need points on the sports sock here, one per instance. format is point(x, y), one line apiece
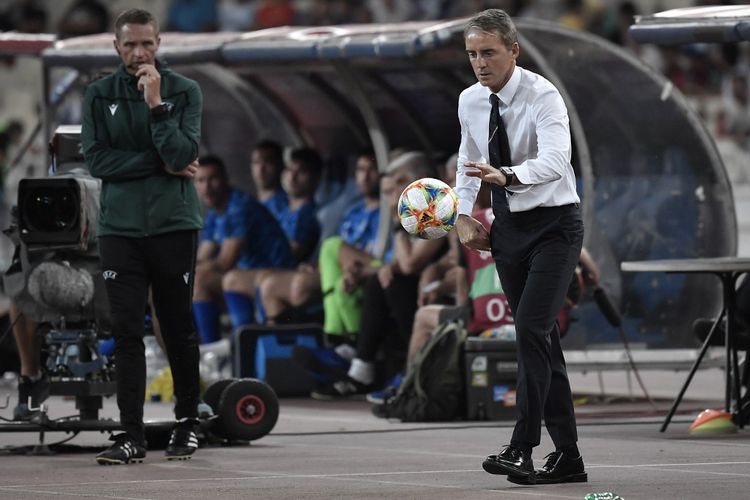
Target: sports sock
point(345, 351)
point(362, 371)
point(240, 308)
point(206, 314)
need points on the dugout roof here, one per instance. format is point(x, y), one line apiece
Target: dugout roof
point(717, 24)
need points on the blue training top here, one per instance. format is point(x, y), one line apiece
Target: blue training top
point(277, 204)
point(245, 217)
point(302, 226)
point(359, 227)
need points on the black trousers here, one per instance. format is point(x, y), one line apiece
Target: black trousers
point(166, 262)
point(535, 254)
point(387, 314)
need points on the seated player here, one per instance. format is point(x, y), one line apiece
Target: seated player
point(300, 179)
point(266, 165)
point(353, 246)
point(238, 233)
point(343, 263)
point(389, 299)
point(471, 280)
point(299, 224)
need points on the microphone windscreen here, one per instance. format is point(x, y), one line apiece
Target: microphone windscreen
point(60, 287)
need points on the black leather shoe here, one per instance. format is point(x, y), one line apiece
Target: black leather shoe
point(511, 462)
point(562, 468)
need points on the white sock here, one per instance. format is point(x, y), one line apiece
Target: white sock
point(362, 371)
point(345, 351)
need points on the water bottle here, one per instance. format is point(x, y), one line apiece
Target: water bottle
point(215, 362)
point(155, 359)
point(503, 332)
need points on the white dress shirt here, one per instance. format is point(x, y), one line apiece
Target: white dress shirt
point(536, 121)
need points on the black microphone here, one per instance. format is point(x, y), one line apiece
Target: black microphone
point(605, 306)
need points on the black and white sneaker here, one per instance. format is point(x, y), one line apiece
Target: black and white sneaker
point(184, 440)
point(125, 450)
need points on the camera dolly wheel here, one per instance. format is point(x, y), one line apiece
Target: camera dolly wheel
point(213, 393)
point(247, 410)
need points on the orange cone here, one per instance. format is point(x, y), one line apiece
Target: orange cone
point(713, 422)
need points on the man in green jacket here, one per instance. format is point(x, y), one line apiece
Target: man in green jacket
point(140, 135)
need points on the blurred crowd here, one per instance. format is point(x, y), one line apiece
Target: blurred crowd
point(608, 18)
point(716, 78)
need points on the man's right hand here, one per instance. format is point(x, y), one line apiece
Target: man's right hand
point(188, 171)
point(472, 233)
point(149, 82)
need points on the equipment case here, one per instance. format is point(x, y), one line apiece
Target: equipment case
point(491, 367)
point(265, 352)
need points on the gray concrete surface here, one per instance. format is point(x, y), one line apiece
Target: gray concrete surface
point(339, 450)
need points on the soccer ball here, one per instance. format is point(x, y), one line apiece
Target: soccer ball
point(428, 208)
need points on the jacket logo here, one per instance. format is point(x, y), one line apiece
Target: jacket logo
point(113, 109)
point(186, 277)
point(109, 275)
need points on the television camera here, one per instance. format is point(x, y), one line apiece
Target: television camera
point(55, 280)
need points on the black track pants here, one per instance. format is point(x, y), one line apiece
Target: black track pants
point(166, 262)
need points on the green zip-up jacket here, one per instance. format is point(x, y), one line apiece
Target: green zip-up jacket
point(129, 149)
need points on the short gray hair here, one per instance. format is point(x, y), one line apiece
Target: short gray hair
point(495, 21)
point(135, 16)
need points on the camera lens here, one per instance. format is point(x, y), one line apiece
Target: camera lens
point(51, 209)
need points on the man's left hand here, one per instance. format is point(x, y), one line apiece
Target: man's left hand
point(188, 171)
point(486, 172)
point(149, 81)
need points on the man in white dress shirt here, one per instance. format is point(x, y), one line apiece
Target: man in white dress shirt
point(515, 136)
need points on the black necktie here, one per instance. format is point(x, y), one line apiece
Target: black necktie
point(499, 149)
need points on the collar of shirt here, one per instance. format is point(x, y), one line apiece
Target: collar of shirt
point(508, 91)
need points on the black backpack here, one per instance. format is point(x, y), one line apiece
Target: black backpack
point(433, 388)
